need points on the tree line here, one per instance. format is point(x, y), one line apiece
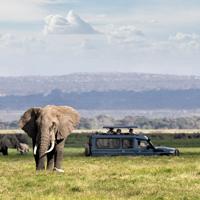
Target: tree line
point(140, 121)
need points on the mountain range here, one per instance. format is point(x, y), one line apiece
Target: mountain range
point(102, 91)
point(100, 82)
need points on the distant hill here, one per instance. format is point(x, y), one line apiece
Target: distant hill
point(99, 82)
point(115, 100)
point(102, 91)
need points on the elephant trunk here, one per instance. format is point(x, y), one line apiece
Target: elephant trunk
point(53, 131)
point(47, 138)
point(43, 146)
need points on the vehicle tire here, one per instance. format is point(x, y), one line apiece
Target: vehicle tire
point(87, 150)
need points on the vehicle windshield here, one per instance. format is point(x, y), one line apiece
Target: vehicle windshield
point(152, 145)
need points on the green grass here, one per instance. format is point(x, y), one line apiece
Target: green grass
point(148, 178)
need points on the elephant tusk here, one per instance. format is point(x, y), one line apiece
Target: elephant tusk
point(51, 148)
point(35, 150)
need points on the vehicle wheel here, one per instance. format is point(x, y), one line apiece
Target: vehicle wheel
point(87, 150)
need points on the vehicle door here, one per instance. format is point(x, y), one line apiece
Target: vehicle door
point(143, 147)
point(107, 146)
point(127, 146)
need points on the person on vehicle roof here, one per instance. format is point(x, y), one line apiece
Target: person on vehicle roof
point(111, 131)
point(131, 131)
point(119, 131)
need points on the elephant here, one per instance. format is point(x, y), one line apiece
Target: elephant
point(49, 127)
point(8, 141)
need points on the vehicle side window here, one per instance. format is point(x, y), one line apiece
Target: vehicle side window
point(127, 143)
point(108, 143)
point(143, 144)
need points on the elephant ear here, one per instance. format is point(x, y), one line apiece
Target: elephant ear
point(68, 119)
point(27, 121)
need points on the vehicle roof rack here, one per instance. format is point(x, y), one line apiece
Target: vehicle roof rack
point(108, 127)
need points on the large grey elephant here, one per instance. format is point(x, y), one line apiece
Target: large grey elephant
point(49, 127)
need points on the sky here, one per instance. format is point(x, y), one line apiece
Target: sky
point(57, 37)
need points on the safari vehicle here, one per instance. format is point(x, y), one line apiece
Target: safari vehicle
point(114, 143)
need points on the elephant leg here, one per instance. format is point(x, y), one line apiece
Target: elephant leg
point(50, 160)
point(59, 150)
point(36, 160)
point(41, 165)
point(5, 151)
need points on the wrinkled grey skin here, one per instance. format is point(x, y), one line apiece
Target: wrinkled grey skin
point(45, 126)
point(8, 141)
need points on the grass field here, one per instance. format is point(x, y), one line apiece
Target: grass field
point(148, 178)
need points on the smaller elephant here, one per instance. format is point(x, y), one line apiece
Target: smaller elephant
point(23, 148)
point(11, 141)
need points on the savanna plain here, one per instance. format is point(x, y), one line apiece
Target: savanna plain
point(149, 178)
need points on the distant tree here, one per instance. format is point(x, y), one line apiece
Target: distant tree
point(140, 121)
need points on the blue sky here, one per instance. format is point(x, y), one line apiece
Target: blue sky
point(56, 37)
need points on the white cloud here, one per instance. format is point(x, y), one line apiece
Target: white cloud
point(26, 10)
point(5, 39)
point(9, 40)
point(19, 44)
point(184, 37)
point(87, 44)
point(186, 41)
point(138, 40)
point(23, 10)
point(40, 55)
point(124, 34)
point(72, 24)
